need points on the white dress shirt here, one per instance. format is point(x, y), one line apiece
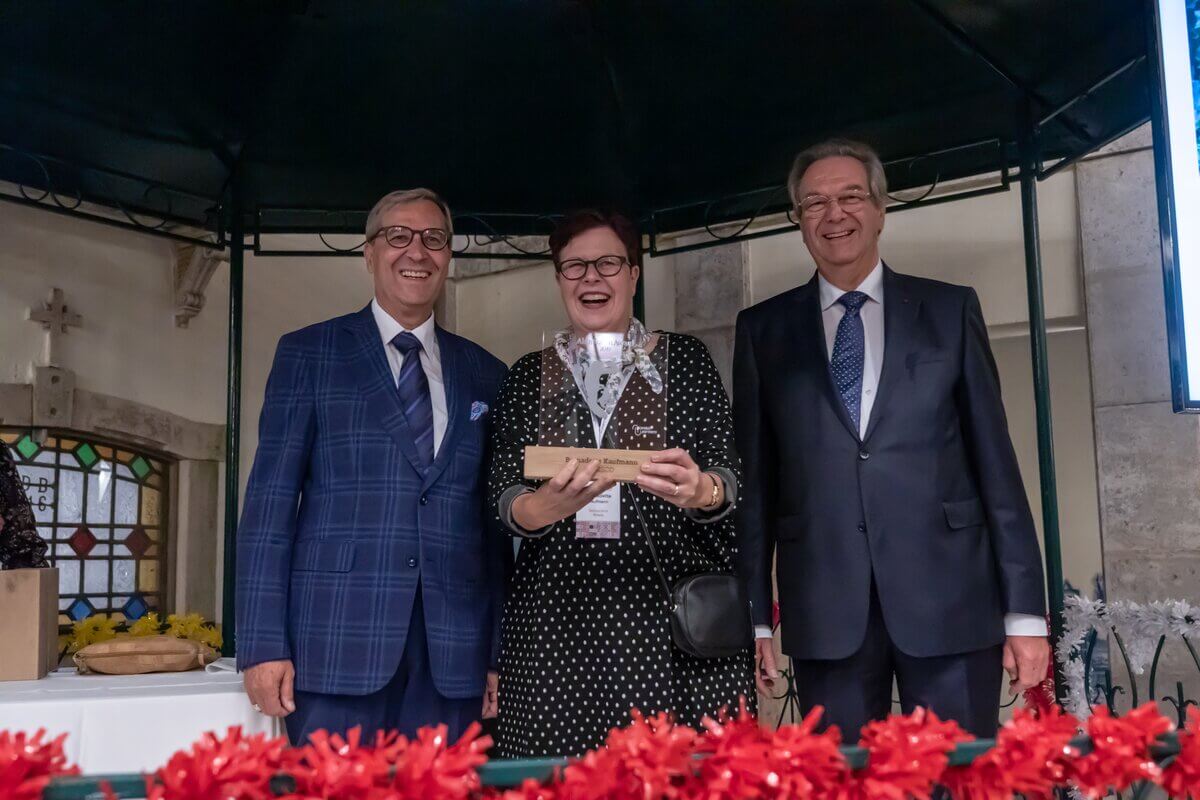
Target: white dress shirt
point(872, 318)
point(431, 362)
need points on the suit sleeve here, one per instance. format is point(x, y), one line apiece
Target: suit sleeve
point(514, 425)
point(714, 450)
point(268, 526)
point(755, 444)
point(1010, 522)
point(497, 548)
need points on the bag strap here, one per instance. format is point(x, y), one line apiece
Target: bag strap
point(662, 576)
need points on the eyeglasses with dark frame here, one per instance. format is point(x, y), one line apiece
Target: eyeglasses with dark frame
point(401, 236)
point(574, 269)
point(850, 201)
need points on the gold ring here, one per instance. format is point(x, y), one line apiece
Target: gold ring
point(675, 491)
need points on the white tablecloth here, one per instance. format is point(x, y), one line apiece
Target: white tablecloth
point(129, 723)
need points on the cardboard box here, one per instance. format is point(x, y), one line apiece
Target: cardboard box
point(28, 624)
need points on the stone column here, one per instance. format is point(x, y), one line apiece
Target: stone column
point(1148, 458)
point(711, 287)
point(446, 308)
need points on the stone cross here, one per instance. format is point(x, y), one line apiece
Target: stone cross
point(55, 318)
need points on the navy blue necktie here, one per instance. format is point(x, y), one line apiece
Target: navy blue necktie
point(847, 359)
point(413, 387)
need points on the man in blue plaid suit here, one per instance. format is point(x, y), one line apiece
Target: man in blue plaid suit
point(369, 592)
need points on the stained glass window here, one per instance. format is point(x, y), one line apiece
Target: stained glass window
point(103, 510)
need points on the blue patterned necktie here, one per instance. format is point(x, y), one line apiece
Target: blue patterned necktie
point(847, 359)
point(413, 387)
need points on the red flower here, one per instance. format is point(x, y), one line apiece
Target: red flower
point(907, 756)
point(1028, 758)
point(651, 758)
point(27, 763)
point(429, 766)
point(215, 769)
point(1120, 750)
point(775, 615)
point(1182, 777)
point(746, 761)
point(333, 766)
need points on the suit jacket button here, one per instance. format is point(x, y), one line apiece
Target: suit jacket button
point(412, 562)
point(862, 527)
point(863, 455)
point(424, 499)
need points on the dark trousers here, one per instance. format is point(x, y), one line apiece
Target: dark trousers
point(409, 700)
point(964, 687)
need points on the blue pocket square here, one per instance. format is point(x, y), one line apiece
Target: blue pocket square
point(478, 409)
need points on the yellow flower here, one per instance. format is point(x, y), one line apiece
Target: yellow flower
point(148, 625)
point(194, 627)
point(95, 628)
point(210, 636)
point(185, 627)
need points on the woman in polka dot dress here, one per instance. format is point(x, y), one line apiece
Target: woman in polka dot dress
point(586, 636)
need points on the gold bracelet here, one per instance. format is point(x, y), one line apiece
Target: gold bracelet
point(712, 503)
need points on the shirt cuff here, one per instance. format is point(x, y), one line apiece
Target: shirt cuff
point(504, 506)
point(1025, 625)
point(763, 632)
point(731, 489)
point(245, 662)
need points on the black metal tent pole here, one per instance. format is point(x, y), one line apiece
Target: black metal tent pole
point(233, 410)
point(1041, 382)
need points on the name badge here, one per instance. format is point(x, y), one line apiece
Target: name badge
point(601, 518)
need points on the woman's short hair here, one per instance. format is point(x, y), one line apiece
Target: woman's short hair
point(830, 148)
point(578, 222)
point(402, 197)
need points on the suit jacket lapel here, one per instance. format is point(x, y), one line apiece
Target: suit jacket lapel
point(811, 338)
point(375, 379)
point(900, 309)
point(456, 379)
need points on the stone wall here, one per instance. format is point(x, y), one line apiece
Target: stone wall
point(1148, 458)
point(711, 287)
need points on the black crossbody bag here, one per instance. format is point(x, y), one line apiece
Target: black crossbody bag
point(709, 612)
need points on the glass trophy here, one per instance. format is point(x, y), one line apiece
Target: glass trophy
point(597, 408)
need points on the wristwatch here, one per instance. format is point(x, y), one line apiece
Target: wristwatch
point(712, 501)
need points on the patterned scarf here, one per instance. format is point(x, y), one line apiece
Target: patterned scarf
point(609, 376)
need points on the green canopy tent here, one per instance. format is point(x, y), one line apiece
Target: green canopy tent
point(245, 120)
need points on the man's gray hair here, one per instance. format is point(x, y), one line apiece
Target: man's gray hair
point(830, 148)
point(403, 197)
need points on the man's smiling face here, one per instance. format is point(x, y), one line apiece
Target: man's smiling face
point(839, 238)
point(409, 279)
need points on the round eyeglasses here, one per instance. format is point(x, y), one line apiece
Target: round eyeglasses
point(402, 236)
point(575, 268)
point(815, 205)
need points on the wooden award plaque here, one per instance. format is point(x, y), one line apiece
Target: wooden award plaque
point(543, 463)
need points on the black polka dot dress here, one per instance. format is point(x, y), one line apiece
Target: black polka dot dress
point(586, 636)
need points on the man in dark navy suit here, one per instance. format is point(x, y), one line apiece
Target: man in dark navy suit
point(880, 476)
point(369, 592)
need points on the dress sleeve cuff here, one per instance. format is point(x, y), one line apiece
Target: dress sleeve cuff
point(1024, 625)
point(731, 489)
point(504, 506)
